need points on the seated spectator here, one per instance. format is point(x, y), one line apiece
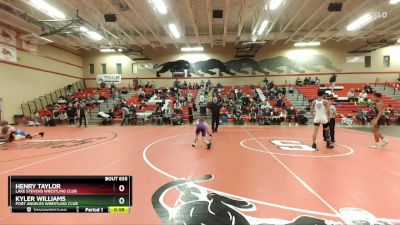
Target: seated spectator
point(237, 115)
point(368, 89)
point(56, 115)
point(292, 115)
point(282, 116)
point(350, 95)
point(275, 117)
point(389, 113)
point(306, 81)
point(190, 86)
point(298, 81)
point(346, 119)
point(317, 81)
point(313, 81)
point(362, 96)
point(63, 116)
point(362, 116)
point(124, 91)
point(252, 116)
point(35, 119)
point(177, 107)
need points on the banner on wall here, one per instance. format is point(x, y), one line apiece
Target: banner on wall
point(29, 45)
point(8, 53)
point(8, 36)
point(109, 78)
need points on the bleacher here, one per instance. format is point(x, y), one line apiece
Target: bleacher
point(345, 107)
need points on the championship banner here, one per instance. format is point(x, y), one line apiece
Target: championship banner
point(29, 45)
point(8, 36)
point(8, 53)
point(109, 78)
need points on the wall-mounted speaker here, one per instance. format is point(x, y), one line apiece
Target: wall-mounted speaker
point(110, 17)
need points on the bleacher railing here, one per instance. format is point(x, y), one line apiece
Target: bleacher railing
point(50, 98)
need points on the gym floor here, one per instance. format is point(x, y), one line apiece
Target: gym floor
point(251, 175)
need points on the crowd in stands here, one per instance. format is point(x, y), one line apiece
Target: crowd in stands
point(262, 104)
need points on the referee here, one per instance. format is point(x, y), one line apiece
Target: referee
point(215, 108)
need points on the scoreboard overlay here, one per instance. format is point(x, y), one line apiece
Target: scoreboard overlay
point(70, 194)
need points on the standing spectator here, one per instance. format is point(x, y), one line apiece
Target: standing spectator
point(126, 115)
point(215, 108)
point(332, 122)
point(177, 107)
point(291, 115)
point(71, 113)
point(82, 112)
point(332, 80)
point(190, 111)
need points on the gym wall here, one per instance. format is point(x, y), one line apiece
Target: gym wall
point(34, 75)
point(333, 52)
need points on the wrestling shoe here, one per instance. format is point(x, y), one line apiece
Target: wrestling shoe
point(376, 146)
point(41, 134)
point(209, 146)
point(28, 136)
point(329, 145)
point(314, 146)
point(384, 142)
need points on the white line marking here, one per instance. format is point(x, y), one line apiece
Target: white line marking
point(294, 155)
point(144, 154)
point(224, 193)
point(301, 181)
point(68, 153)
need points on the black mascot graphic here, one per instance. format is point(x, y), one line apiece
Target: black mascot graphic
point(178, 65)
point(198, 206)
point(207, 65)
point(238, 65)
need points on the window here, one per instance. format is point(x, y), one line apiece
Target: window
point(134, 68)
point(367, 61)
point(386, 61)
point(119, 68)
point(91, 68)
point(103, 68)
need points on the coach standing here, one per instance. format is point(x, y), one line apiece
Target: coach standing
point(215, 108)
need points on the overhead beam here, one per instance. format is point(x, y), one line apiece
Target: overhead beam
point(242, 16)
point(276, 19)
point(351, 13)
point(192, 20)
point(291, 20)
point(316, 26)
point(209, 17)
point(341, 30)
point(137, 14)
point(226, 16)
point(363, 33)
point(116, 26)
point(261, 15)
point(321, 6)
point(65, 41)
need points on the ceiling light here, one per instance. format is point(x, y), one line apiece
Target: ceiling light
point(160, 6)
point(94, 36)
point(360, 22)
point(262, 27)
point(304, 44)
point(192, 49)
point(394, 2)
point(48, 9)
point(107, 50)
point(273, 4)
point(83, 29)
point(119, 50)
point(398, 40)
point(174, 30)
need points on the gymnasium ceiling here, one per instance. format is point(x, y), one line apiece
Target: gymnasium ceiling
point(139, 25)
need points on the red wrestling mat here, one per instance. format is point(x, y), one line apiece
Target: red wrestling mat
point(252, 175)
